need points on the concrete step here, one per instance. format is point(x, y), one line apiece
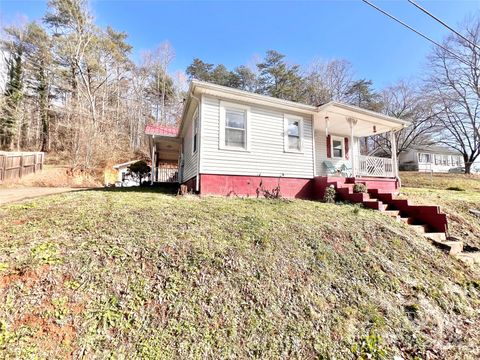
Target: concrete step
point(437, 236)
point(374, 204)
point(392, 213)
point(469, 258)
point(421, 229)
point(453, 247)
point(408, 220)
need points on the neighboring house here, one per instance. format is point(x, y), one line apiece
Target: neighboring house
point(430, 158)
point(230, 141)
point(122, 175)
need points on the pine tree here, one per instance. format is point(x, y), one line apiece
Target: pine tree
point(14, 88)
point(280, 80)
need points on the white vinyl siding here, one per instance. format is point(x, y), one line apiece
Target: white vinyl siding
point(321, 152)
point(190, 160)
point(195, 131)
point(265, 154)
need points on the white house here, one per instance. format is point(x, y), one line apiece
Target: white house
point(231, 141)
point(430, 158)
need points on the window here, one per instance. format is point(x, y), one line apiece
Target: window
point(425, 158)
point(234, 120)
point(293, 133)
point(337, 147)
point(195, 132)
point(235, 128)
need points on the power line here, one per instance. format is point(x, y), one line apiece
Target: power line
point(443, 23)
point(416, 32)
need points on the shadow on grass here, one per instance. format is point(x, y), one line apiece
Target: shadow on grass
point(155, 189)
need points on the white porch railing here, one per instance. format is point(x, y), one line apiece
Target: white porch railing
point(374, 166)
point(166, 175)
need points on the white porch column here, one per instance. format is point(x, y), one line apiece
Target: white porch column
point(393, 147)
point(152, 172)
point(353, 122)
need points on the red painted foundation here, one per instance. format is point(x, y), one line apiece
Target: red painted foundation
point(313, 189)
point(237, 185)
point(191, 184)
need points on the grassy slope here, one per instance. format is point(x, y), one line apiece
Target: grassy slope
point(440, 181)
point(96, 273)
point(426, 189)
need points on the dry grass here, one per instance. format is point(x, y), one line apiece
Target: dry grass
point(463, 195)
point(440, 181)
point(58, 176)
point(126, 274)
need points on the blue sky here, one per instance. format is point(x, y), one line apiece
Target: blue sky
point(234, 32)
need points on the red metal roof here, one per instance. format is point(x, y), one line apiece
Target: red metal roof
point(163, 130)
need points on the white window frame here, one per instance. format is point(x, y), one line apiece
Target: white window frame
point(342, 140)
point(224, 105)
point(420, 158)
point(195, 121)
point(286, 118)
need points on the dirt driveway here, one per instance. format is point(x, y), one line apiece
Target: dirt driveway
point(15, 194)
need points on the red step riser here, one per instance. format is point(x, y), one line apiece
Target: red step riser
point(426, 214)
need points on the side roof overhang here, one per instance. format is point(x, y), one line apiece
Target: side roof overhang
point(337, 112)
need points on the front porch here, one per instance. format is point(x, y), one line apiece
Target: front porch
point(339, 132)
point(165, 153)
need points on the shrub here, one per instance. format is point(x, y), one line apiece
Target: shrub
point(356, 210)
point(330, 194)
point(269, 194)
point(139, 170)
point(359, 188)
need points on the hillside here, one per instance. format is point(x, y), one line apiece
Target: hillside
point(145, 275)
point(456, 194)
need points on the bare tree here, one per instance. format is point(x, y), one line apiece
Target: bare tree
point(328, 80)
point(157, 63)
point(407, 101)
point(454, 83)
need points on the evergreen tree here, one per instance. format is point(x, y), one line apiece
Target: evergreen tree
point(14, 89)
point(245, 79)
point(280, 80)
point(199, 70)
point(13, 99)
point(39, 62)
point(362, 94)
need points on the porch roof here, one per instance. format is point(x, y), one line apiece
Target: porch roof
point(161, 130)
point(366, 122)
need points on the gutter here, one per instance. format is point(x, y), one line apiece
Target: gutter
point(363, 111)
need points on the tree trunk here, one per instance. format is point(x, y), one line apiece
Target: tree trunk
point(468, 167)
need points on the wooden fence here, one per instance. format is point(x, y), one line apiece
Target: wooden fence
point(14, 165)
